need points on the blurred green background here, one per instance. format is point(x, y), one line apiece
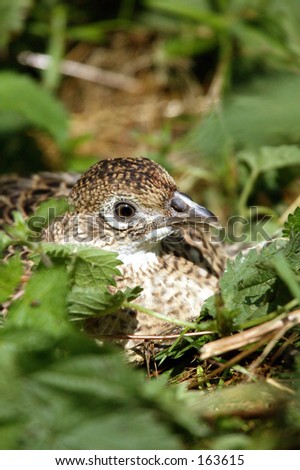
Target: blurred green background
point(208, 88)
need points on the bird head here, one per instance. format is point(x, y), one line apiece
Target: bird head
point(133, 204)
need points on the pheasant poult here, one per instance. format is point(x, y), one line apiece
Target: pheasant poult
point(132, 206)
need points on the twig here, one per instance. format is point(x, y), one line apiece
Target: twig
point(269, 347)
point(257, 333)
point(235, 359)
point(83, 71)
point(280, 386)
point(292, 339)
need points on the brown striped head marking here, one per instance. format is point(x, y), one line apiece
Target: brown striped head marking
point(139, 178)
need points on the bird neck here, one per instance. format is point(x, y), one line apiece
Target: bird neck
point(139, 260)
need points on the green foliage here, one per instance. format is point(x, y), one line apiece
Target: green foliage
point(251, 142)
point(90, 266)
point(255, 285)
point(265, 160)
point(59, 390)
point(10, 275)
point(90, 272)
point(292, 225)
point(90, 301)
point(44, 301)
point(12, 18)
point(51, 75)
point(247, 287)
point(51, 371)
point(22, 97)
point(80, 273)
point(261, 113)
point(261, 33)
point(58, 394)
point(271, 158)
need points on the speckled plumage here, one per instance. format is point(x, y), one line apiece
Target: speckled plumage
point(172, 259)
point(165, 246)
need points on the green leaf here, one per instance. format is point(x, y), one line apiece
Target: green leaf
point(52, 208)
point(91, 271)
point(256, 42)
point(94, 301)
point(94, 268)
point(292, 249)
point(12, 17)
point(292, 252)
point(43, 305)
point(292, 225)
point(22, 95)
point(186, 45)
point(5, 241)
point(92, 32)
point(245, 286)
point(249, 287)
point(91, 267)
point(94, 390)
point(18, 231)
point(259, 114)
point(271, 158)
point(10, 276)
point(195, 10)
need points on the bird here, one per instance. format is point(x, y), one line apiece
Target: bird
point(133, 207)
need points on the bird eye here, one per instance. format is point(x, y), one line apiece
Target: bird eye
point(124, 211)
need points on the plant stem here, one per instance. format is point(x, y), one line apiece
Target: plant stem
point(269, 316)
point(56, 47)
point(160, 316)
point(242, 204)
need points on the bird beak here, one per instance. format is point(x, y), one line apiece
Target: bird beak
point(189, 211)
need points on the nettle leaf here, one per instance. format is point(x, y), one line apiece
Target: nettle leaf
point(292, 225)
point(48, 377)
point(94, 301)
point(43, 304)
point(96, 270)
point(90, 266)
point(292, 252)
point(91, 271)
point(271, 158)
point(249, 286)
point(256, 284)
point(91, 301)
point(292, 248)
point(245, 286)
point(10, 276)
